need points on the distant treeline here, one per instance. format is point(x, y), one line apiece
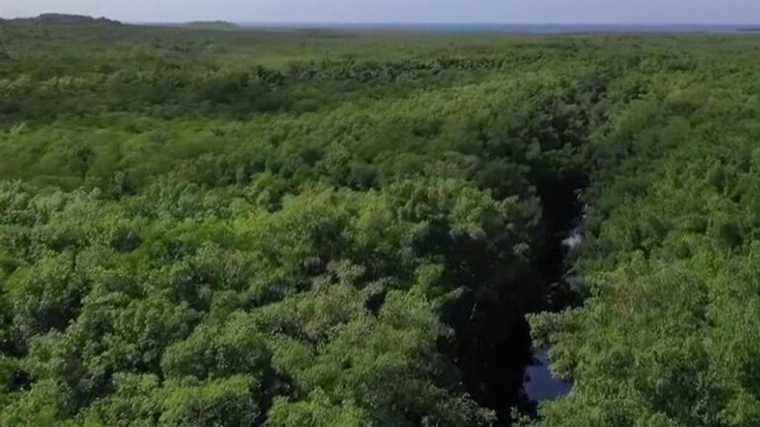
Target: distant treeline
point(212, 25)
point(61, 19)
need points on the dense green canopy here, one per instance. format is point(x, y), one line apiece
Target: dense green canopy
point(319, 228)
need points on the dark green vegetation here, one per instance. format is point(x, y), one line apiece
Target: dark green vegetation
point(60, 19)
point(302, 228)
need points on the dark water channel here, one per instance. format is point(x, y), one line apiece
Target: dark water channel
point(501, 368)
point(564, 211)
point(539, 384)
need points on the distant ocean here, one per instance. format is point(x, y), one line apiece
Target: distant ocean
point(526, 29)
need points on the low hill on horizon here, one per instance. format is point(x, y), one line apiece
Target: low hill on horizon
point(62, 19)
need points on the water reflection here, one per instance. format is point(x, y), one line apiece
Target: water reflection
point(539, 384)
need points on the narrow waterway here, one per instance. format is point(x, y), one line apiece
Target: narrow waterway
point(539, 384)
point(501, 369)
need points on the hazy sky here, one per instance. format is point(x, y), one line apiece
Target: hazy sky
point(555, 11)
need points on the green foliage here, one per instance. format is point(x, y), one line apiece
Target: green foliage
point(668, 264)
point(203, 227)
point(224, 402)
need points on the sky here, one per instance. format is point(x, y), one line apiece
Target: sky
point(450, 11)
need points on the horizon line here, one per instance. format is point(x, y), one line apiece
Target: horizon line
point(402, 22)
point(605, 23)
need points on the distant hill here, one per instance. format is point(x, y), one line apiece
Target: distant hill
point(213, 25)
point(62, 19)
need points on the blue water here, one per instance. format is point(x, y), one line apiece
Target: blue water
point(528, 29)
point(540, 384)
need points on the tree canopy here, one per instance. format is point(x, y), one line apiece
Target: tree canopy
point(325, 228)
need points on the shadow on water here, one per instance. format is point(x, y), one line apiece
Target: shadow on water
point(495, 353)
